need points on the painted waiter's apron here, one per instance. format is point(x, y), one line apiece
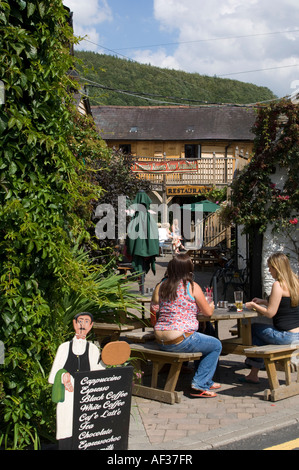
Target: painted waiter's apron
point(72, 356)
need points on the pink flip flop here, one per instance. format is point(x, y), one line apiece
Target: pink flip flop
point(202, 393)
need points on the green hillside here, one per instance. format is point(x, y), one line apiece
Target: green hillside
point(160, 86)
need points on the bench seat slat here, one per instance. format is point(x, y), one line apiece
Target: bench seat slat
point(271, 349)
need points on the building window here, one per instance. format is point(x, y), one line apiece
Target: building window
point(192, 151)
point(125, 148)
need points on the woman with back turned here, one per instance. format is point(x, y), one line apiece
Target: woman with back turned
point(178, 300)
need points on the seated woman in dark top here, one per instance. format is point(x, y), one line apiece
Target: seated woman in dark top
point(282, 307)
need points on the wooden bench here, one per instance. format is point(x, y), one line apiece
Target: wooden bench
point(203, 261)
point(140, 336)
point(109, 331)
point(124, 269)
point(150, 352)
point(277, 353)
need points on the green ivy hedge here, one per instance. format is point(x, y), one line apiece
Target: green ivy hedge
point(45, 193)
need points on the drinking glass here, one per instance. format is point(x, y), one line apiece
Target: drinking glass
point(239, 300)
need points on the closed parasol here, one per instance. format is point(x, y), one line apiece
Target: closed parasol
point(142, 236)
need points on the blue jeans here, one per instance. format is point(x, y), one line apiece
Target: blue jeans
point(267, 334)
point(210, 347)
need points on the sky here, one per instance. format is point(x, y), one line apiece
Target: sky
point(254, 41)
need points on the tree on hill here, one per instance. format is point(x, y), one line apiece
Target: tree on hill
point(120, 82)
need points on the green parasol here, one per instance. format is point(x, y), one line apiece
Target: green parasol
point(142, 236)
point(205, 206)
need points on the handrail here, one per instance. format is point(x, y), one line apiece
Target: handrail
point(210, 171)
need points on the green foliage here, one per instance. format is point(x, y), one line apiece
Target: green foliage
point(37, 179)
point(161, 86)
point(255, 200)
point(108, 170)
point(103, 295)
point(47, 186)
point(117, 179)
point(214, 194)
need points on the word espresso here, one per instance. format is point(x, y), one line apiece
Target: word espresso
point(100, 395)
point(111, 402)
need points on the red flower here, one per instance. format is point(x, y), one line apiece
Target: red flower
point(293, 221)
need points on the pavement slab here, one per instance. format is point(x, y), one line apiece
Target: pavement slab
point(238, 411)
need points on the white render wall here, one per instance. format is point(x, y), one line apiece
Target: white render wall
point(276, 242)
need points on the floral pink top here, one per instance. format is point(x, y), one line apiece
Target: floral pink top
point(179, 314)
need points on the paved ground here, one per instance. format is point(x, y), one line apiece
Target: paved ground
point(238, 411)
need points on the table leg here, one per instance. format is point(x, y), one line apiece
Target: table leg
point(246, 332)
point(216, 329)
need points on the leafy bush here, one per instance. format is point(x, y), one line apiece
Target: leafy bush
point(46, 189)
point(255, 200)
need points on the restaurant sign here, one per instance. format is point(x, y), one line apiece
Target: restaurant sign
point(169, 166)
point(184, 190)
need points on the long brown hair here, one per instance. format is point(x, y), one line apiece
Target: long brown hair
point(180, 268)
point(285, 276)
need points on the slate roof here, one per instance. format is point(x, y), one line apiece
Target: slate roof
point(174, 123)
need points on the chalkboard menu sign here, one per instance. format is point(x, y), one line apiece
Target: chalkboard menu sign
point(102, 406)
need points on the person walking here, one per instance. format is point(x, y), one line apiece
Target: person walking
point(176, 237)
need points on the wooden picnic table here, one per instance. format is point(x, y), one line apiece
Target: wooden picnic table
point(238, 344)
point(234, 345)
point(150, 351)
point(205, 255)
point(110, 330)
